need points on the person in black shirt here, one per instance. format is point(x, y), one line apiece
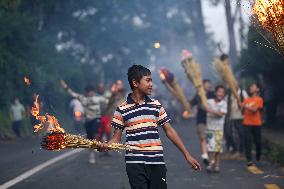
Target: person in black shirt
point(201, 118)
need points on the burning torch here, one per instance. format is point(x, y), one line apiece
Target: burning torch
point(57, 139)
point(270, 14)
point(193, 72)
point(172, 85)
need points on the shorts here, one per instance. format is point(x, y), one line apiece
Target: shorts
point(201, 131)
point(215, 140)
point(144, 176)
point(92, 127)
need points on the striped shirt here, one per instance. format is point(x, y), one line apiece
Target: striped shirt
point(141, 122)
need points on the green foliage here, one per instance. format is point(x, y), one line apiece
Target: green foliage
point(273, 152)
point(259, 60)
point(85, 42)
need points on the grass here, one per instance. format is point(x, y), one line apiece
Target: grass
point(273, 152)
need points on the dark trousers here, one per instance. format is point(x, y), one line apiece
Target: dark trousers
point(237, 135)
point(143, 176)
point(252, 135)
point(16, 125)
point(92, 127)
point(228, 132)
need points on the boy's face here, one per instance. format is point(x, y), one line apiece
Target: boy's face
point(89, 93)
point(253, 89)
point(100, 88)
point(16, 101)
point(207, 86)
point(145, 85)
point(220, 94)
point(119, 84)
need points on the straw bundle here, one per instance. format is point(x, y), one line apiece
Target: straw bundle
point(224, 70)
point(172, 85)
point(57, 141)
point(193, 72)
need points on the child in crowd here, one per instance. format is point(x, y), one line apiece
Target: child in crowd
point(217, 108)
point(252, 107)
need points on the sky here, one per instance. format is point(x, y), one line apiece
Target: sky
point(215, 21)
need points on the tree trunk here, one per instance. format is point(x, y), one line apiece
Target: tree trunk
point(231, 32)
point(203, 53)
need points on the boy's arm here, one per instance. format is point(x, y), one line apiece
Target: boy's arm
point(116, 138)
point(216, 113)
point(253, 108)
point(174, 137)
point(71, 92)
point(220, 112)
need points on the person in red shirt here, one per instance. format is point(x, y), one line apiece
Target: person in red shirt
point(252, 107)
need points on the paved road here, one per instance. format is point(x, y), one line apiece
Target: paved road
point(74, 171)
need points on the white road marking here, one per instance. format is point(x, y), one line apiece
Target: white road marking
point(36, 169)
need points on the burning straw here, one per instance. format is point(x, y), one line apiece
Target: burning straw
point(270, 14)
point(172, 85)
point(193, 72)
point(224, 70)
point(57, 139)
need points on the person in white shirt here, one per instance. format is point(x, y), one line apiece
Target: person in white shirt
point(216, 111)
point(234, 133)
point(17, 114)
point(77, 113)
point(92, 111)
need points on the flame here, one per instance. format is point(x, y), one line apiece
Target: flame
point(157, 45)
point(270, 13)
point(48, 121)
point(162, 75)
point(27, 81)
point(54, 141)
point(186, 114)
point(77, 115)
point(185, 54)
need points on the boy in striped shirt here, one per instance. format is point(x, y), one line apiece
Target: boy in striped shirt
point(141, 117)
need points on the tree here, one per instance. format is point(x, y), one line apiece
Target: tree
point(231, 19)
point(259, 60)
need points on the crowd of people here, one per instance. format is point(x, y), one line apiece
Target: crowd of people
point(237, 122)
point(95, 110)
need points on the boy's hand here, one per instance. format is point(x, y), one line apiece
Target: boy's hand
point(103, 147)
point(63, 84)
point(195, 165)
point(208, 110)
